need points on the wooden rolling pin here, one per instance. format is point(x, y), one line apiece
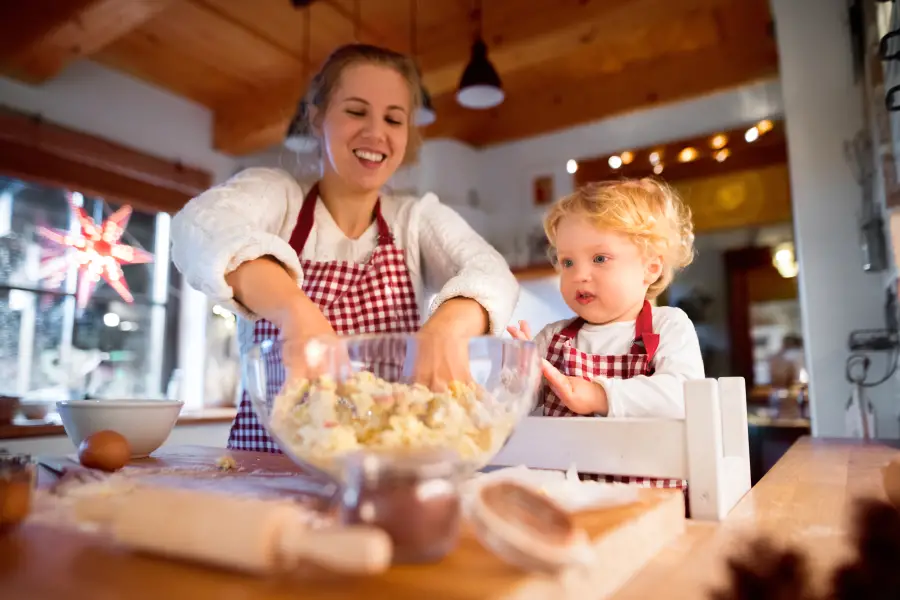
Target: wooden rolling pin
point(246, 534)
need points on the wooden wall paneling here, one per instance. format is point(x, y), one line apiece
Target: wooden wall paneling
point(769, 149)
point(748, 198)
point(35, 150)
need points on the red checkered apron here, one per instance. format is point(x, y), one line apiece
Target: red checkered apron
point(375, 297)
point(571, 361)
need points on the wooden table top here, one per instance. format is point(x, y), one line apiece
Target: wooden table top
point(805, 499)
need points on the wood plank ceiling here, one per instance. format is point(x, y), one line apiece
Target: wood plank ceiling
point(562, 62)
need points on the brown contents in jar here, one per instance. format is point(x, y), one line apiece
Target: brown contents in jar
point(16, 487)
point(414, 499)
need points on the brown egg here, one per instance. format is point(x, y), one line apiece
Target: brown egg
point(105, 450)
point(890, 474)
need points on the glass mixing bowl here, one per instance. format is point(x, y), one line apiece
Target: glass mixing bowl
point(362, 395)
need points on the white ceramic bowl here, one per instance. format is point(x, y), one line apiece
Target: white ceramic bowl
point(144, 423)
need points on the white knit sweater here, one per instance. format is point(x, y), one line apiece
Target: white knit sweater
point(253, 214)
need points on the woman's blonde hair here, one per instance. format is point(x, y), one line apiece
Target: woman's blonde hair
point(648, 211)
point(323, 84)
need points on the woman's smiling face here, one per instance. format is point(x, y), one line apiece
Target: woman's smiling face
point(365, 128)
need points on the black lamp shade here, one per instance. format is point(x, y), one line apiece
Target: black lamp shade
point(480, 85)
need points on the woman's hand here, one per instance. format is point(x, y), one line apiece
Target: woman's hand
point(269, 291)
point(442, 354)
point(310, 346)
point(441, 360)
point(581, 396)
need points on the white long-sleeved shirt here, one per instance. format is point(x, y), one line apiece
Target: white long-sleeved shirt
point(254, 213)
point(677, 359)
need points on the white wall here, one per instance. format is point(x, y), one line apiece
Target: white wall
point(824, 108)
point(98, 101)
point(540, 303)
point(90, 98)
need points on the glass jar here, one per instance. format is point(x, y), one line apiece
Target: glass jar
point(413, 496)
point(17, 482)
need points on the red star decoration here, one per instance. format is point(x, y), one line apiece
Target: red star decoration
point(97, 254)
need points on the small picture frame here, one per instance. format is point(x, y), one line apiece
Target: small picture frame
point(543, 190)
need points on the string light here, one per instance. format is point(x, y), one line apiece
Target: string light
point(687, 154)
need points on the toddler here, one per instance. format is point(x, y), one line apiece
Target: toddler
point(616, 245)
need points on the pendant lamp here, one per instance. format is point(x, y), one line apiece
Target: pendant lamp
point(479, 86)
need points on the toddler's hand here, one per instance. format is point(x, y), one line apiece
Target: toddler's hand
point(521, 333)
point(581, 396)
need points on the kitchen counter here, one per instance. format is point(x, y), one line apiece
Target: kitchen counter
point(804, 499)
point(21, 429)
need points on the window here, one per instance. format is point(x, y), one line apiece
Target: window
point(51, 349)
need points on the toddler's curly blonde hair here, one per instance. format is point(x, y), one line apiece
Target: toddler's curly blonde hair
point(648, 211)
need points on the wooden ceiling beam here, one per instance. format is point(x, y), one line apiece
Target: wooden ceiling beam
point(39, 38)
point(547, 104)
point(244, 126)
point(366, 31)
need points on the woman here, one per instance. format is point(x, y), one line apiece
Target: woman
point(339, 258)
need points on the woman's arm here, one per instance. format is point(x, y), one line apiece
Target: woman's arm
point(265, 287)
point(219, 237)
point(477, 291)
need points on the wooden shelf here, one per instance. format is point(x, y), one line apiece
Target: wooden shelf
point(534, 272)
point(209, 416)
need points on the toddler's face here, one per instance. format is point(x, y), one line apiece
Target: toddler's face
point(603, 274)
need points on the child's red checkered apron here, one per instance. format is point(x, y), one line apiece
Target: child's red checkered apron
point(376, 297)
point(571, 361)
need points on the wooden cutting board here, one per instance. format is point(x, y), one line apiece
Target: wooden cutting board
point(39, 561)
